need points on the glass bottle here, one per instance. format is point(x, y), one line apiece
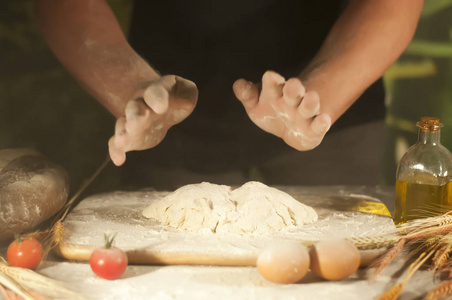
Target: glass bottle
point(423, 179)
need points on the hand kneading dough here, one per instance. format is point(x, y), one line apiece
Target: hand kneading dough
point(32, 189)
point(254, 208)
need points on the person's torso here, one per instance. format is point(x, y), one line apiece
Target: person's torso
point(214, 43)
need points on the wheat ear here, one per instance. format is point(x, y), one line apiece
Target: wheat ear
point(395, 291)
point(443, 290)
point(374, 242)
point(389, 257)
point(437, 221)
point(441, 256)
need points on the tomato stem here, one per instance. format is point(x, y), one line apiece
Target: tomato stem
point(19, 238)
point(109, 241)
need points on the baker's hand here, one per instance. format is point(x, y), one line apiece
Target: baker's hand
point(285, 109)
point(156, 107)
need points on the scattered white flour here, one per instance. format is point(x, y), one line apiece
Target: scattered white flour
point(254, 208)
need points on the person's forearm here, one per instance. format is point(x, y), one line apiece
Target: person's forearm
point(86, 37)
point(368, 37)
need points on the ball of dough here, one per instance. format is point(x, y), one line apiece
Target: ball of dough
point(253, 208)
point(194, 207)
point(263, 209)
point(32, 189)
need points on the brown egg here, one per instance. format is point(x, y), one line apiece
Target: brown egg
point(285, 262)
point(334, 259)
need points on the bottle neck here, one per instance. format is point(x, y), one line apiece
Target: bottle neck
point(431, 138)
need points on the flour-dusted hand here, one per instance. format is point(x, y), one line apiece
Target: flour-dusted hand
point(98, 54)
point(156, 107)
point(285, 109)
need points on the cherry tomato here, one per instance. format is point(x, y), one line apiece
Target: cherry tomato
point(108, 262)
point(25, 253)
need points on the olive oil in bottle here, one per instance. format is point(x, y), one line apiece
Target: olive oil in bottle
point(416, 200)
point(423, 179)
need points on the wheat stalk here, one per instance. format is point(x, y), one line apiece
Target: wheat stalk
point(65, 210)
point(37, 282)
point(15, 287)
point(389, 257)
point(3, 292)
point(10, 295)
point(395, 291)
point(441, 229)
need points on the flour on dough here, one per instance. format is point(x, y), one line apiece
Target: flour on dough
point(253, 208)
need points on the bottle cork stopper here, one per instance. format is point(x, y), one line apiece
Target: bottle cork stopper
point(429, 124)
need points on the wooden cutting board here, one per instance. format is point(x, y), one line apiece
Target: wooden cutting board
point(342, 214)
